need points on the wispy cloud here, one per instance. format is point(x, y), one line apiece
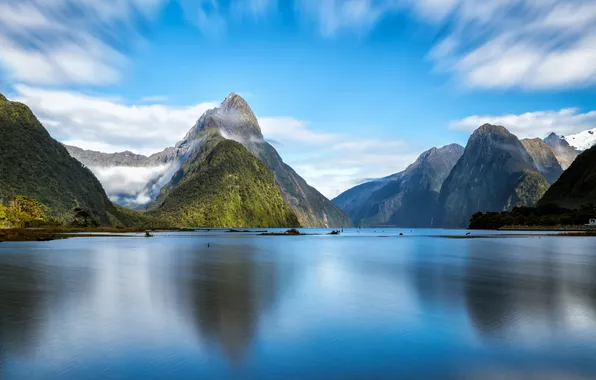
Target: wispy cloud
point(534, 124)
point(89, 42)
point(535, 45)
point(529, 44)
point(109, 125)
point(334, 16)
point(69, 41)
point(335, 162)
point(287, 129)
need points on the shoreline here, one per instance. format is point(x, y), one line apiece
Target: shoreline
point(549, 228)
point(61, 233)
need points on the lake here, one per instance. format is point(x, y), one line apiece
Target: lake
point(366, 304)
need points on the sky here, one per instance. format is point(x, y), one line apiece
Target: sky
point(346, 90)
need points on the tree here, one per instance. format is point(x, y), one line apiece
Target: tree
point(83, 218)
point(30, 207)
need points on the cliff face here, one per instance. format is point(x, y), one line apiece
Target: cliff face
point(495, 173)
point(564, 152)
point(544, 159)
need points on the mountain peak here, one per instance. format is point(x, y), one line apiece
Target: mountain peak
point(491, 129)
point(235, 102)
point(3, 98)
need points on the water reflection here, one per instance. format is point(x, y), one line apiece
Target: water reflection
point(533, 294)
point(309, 307)
point(228, 288)
point(21, 306)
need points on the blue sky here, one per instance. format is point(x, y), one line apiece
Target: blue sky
point(348, 89)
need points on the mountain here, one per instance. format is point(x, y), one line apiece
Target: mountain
point(223, 185)
point(33, 164)
point(406, 199)
point(495, 173)
point(356, 200)
point(142, 182)
point(583, 140)
point(564, 152)
point(544, 159)
point(235, 120)
point(92, 158)
point(577, 185)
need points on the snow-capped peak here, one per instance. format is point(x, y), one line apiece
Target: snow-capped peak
point(583, 140)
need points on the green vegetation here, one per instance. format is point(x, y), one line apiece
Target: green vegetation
point(35, 165)
point(541, 216)
point(223, 185)
point(577, 185)
point(24, 212)
point(529, 189)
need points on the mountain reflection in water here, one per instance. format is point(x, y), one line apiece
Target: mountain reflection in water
point(307, 307)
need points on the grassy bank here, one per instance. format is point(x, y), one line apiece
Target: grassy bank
point(58, 233)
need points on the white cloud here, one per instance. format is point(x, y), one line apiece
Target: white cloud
point(134, 185)
point(535, 124)
point(536, 45)
point(64, 41)
point(333, 173)
point(335, 162)
point(109, 125)
point(526, 44)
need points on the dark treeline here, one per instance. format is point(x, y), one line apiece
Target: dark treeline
point(543, 216)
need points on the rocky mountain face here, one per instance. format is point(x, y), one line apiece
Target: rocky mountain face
point(33, 164)
point(92, 158)
point(495, 173)
point(564, 152)
point(544, 159)
point(406, 199)
point(235, 120)
point(223, 185)
point(356, 200)
point(577, 185)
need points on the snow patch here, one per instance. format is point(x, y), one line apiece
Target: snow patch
point(583, 140)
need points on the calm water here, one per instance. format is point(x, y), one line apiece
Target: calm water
point(350, 306)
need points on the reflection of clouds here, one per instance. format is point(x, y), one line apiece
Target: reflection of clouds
point(530, 298)
point(106, 294)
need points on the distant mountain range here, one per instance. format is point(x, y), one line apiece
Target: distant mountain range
point(444, 187)
point(406, 199)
